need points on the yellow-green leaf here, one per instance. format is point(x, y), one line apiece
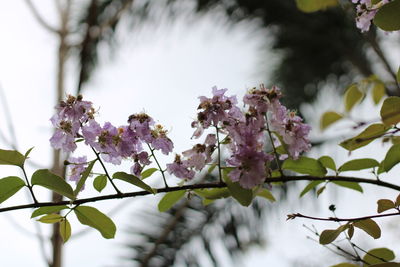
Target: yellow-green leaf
point(371, 133)
point(386, 264)
point(65, 230)
point(9, 186)
point(328, 162)
point(315, 5)
point(147, 173)
point(309, 187)
point(47, 210)
point(358, 164)
point(385, 204)
point(392, 158)
point(169, 200)
point(390, 111)
point(387, 18)
point(345, 264)
point(212, 194)
point(329, 118)
point(100, 182)
point(350, 185)
point(11, 157)
point(398, 76)
point(350, 231)
point(328, 236)
point(84, 177)
point(242, 195)
point(378, 255)
point(265, 193)
point(94, 218)
point(378, 92)
point(305, 165)
point(53, 182)
point(370, 227)
point(352, 96)
point(397, 203)
point(51, 218)
point(132, 179)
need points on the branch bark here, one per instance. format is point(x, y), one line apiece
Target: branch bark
point(284, 179)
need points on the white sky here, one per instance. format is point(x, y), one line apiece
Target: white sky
point(160, 71)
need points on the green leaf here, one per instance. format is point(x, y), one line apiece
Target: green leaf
point(388, 18)
point(84, 177)
point(53, 182)
point(352, 96)
point(371, 133)
point(329, 118)
point(314, 5)
point(51, 218)
point(265, 193)
point(327, 162)
point(378, 92)
point(212, 167)
point(212, 194)
point(398, 76)
point(385, 204)
point(11, 157)
point(378, 255)
point(47, 210)
point(397, 203)
point(321, 190)
point(207, 201)
point(328, 236)
point(242, 195)
point(350, 185)
point(309, 187)
point(94, 218)
point(358, 164)
point(65, 230)
point(370, 227)
point(386, 264)
point(305, 165)
point(390, 111)
point(350, 231)
point(345, 264)
point(9, 186)
point(28, 152)
point(133, 180)
point(392, 158)
point(170, 199)
point(100, 182)
point(148, 172)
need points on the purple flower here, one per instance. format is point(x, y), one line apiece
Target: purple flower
point(198, 156)
point(250, 166)
point(140, 124)
point(77, 166)
point(219, 109)
point(141, 160)
point(160, 141)
point(63, 139)
point(179, 169)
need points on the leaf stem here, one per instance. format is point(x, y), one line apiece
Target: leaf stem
point(105, 170)
point(29, 185)
point(158, 165)
point(219, 155)
point(273, 146)
point(336, 219)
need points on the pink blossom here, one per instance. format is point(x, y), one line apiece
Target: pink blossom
point(77, 166)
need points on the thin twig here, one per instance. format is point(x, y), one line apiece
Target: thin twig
point(158, 164)
point(39, 18)
point(335, 219)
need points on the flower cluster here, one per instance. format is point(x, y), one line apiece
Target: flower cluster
point(366, 12)
point(246, 133)
point(75, 120)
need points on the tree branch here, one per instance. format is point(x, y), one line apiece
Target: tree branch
point(335, 219)
point(284, 179)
